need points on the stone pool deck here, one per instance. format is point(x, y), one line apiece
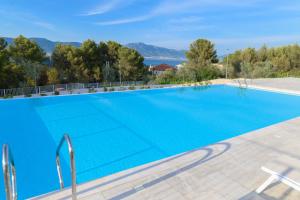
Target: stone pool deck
point(228, 170)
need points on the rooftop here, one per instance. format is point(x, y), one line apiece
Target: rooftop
point(161, 67)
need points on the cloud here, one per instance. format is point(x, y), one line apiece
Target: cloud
point(107, 7)
point(102, 8)
point(169, 7)
point(124, 21)
point(187, 20)
point(27, 18)
point(44, 25)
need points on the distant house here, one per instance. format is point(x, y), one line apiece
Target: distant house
point(159, 69)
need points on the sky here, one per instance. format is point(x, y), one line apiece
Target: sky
point(229, 24)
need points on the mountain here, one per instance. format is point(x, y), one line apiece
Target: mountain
point(148, 51)
point(46, 44)
point(155, 52)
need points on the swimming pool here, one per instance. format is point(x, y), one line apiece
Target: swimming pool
point(115, 131)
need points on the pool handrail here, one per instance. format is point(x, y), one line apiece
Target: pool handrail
point(9, 173)
point(66, 138)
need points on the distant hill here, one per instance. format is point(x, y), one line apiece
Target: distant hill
point(46, 44)
point(155, 52)
point(148, 51)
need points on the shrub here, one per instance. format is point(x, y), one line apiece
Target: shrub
point(111, 89)
point(8, 96)
point(105, 89)
point(166, 77)
point(56, 92)
point(91, 90)
point(131, 88)
point(43, 94)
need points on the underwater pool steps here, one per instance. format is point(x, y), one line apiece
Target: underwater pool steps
point(9, 170)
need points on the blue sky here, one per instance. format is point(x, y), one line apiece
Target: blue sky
point(230, 24)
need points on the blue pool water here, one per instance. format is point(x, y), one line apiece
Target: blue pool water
point(116, 131)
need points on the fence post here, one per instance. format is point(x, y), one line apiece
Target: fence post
point(39, 90)
point(53, 88)
point(4, 92)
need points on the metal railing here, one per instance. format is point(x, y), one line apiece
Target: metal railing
point(8, 166)
point(63, 87)
point(241, 84)
point(67, 139)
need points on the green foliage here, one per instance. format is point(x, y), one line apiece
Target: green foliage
point(11, 76)
point(131, 66)
point(131, 88)
point(25, 50)
point(56, 92)
point(23, 64)
point(167, 77)
point(91, 62)
point(66, 60)
point(202, 53)
point(8, 96)
point(264, 62)
point(53, 76)
point(92, 90)
point(186, 74)
point(42, 79)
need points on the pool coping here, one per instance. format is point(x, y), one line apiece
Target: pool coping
point(267, 89)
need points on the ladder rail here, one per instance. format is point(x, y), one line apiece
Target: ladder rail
point(9, 173)
point(66, 139)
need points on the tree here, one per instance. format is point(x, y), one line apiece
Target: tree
point(42, 79)
point(103, 53)
point(11, 76)
point(53, 76)
point(167, 77)
point(91, 60)
point(24, 50)
point(234, 61)
point(249, 55)
point(28, 55)
point(131, 64)
point(185, 74)
point(113, 52)
point(262, 54)
point(64, 58)
point(4, 58)
point(202, 53)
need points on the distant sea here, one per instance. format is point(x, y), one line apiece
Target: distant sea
point(163, 61)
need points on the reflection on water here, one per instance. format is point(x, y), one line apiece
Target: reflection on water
point(201, 88)
point(242, 91)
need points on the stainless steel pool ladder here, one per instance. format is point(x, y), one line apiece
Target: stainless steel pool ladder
point(8, 166)
point(67, 139)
